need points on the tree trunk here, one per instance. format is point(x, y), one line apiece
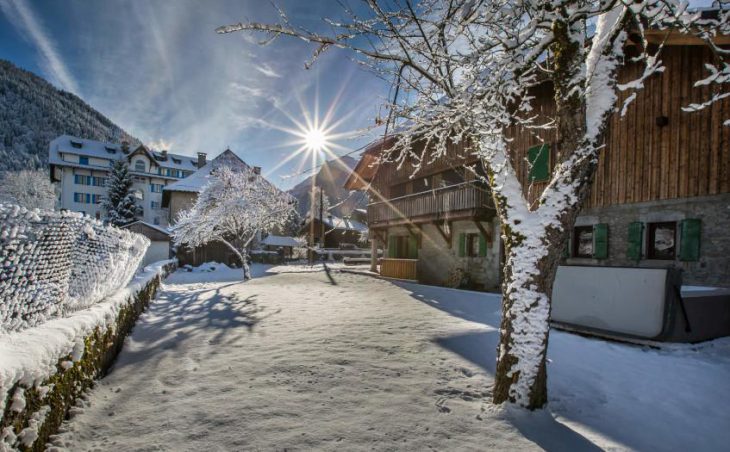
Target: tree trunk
point(521, 376)
point(242, 255)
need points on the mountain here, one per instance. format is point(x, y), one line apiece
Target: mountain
point(33, 112)
point(331, 177)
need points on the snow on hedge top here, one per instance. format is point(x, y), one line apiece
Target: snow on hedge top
point(54, 263)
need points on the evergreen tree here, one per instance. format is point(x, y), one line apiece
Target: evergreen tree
point(119, 202)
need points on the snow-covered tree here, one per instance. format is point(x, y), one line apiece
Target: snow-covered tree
point(119, 202)
point(31, 189)
point(469, 68)
point(232, 209)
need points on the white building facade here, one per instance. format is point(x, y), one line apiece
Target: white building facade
point(81, 168)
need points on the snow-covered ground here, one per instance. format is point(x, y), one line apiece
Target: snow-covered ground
point(297, 359)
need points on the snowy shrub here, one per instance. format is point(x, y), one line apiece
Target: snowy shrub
point(54, 263)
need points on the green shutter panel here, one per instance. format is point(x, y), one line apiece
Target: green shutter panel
point(689, 244)
point(412, 247)
point(462, 245)
point(539, 159)
point(636, 235)
point(600, 241)
point(566, 248)
point(482, 245)
point(391, 246)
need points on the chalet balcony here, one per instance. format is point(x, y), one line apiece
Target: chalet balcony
point(467, 200)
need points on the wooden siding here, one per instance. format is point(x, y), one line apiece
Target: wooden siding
point(641, 161)
point(399, 268)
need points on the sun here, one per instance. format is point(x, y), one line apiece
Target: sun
point(315, 139)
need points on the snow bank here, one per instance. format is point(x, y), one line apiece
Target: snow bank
point(54, 263)
point(44, 369)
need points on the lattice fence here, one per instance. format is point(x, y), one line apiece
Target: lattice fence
point(58, 262)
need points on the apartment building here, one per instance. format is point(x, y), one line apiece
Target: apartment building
point(81, 168)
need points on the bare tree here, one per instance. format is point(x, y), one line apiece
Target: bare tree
point(31, 189)
point(233, 208)
point(469, 68)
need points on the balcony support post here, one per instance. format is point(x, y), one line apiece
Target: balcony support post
point(442, 231)
point(487, 236)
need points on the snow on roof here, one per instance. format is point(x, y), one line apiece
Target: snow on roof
point(112, 151)
point(149, 225)
point(196, 181)
point(345, 223)
point(279, 240)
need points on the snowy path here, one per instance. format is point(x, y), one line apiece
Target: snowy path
point(293, 361)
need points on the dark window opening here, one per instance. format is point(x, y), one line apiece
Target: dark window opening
point(662, 241)
point(472, 245)
point(583, 241)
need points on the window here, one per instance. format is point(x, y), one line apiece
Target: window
point(590, 241)
point(140, 166)
point(661, 242)
point(154, 204)
point(83, 160)
point(156, 221)
point(583, 241)
point(538, 158)
point(99, 181)
point(83, 198)
point(472, 245)
point(396, 191)
point(82, 180)
point(451, 177)
point(97, 199)
point(421, 184)
point(156, 188)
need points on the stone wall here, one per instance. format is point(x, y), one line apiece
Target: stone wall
point(713, 266)
point(34, 410)
point(438, 260)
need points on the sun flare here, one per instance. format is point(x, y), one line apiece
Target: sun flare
point(315, 139)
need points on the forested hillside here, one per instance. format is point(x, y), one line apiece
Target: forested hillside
point(33, 112)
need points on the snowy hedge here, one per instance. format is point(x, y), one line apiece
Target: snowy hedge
point(54, 263)
point(45, 369)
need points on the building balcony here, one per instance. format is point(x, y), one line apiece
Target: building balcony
point(467, 200)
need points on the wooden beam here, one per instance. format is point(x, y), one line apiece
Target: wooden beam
point(447, 237)
point(487, 236)
point(410, 231)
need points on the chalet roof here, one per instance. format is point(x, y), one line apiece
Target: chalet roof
point(196, 181)
point(368, 165)
point(347, 224)
point(279, 240)
point(151, 227)
point(112, 151)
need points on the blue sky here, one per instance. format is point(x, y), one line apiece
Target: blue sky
point(158, 69)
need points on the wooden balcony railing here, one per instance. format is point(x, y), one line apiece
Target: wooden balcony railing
point(435, 204)
point(399, 268)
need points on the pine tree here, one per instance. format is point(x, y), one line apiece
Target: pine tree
point(119, 202)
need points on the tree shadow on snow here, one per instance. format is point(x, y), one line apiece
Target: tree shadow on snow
point(541, 428)
point(176, 318)
point(480, 348)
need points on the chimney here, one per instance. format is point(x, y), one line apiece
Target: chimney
point(125, 146)
point(257, 170)
point(201, 159)
point(164, 154)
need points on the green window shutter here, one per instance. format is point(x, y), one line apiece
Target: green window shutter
point(539, 159)
point(636, 235)
point(462, 245)
point(412, 247)
point(600, 241)
point(689, 244)
point(482, 245)
point(392, 246)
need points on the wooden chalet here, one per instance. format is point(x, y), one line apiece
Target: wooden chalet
point(660, 198)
